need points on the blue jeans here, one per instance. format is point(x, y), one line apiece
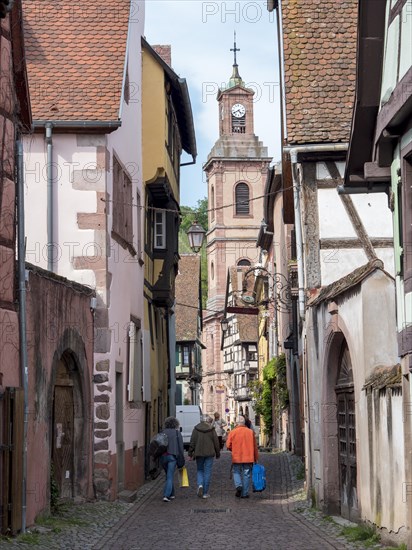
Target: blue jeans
point(241, 477)
point(168, 463)
point(204, 471)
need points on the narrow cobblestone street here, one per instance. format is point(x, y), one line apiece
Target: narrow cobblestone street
point(277, 518)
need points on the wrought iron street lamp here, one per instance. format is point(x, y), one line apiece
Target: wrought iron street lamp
point(196, 234)
point(224, 323)
point(282, 294)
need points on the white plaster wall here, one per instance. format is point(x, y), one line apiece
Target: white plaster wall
point(336, 263)
point(126, 290)
point(367, 319)
point(375, 214)
point(334, 222)
point(68, 239)
point(323, 173)
point(387, 255)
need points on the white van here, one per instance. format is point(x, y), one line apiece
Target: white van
point(188, 416)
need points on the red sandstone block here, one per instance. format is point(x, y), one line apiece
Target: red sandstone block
point(7, 212)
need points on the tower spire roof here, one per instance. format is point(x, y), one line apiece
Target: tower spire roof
point(235, 79)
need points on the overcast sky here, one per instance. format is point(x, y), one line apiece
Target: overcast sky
point(201, 35)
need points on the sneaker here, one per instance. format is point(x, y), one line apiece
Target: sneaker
point(245, 496)
point(206, 496)
point(172, 497)
point(166, 499)
point(200, 491)
point(238, 491)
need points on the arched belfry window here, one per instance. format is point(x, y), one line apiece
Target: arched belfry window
point(243, 263)
point(242, 198)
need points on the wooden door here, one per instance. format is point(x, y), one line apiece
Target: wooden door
point(347, 438)
point(63, 437)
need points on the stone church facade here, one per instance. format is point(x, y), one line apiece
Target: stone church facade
point(236, 171)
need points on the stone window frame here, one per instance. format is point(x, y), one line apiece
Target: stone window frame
point(236, 201)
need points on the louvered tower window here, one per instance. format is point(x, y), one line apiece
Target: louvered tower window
point(242, 198)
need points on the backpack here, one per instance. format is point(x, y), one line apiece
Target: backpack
point(158, 445)
point(258, 478)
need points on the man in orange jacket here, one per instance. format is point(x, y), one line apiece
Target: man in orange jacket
point(242, 443)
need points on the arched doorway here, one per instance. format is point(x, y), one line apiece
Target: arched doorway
point(63, 427)
point(345, 398)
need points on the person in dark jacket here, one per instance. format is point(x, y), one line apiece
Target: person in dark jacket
point(204, 446)
point(168, 460)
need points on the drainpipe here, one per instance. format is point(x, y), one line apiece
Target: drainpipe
point(49, 161)
point(22, 317)
point(294, 151)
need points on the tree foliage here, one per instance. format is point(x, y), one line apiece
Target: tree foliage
point(273, 383)
point(189, 215)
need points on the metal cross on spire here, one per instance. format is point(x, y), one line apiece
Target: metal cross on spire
point(234, 50)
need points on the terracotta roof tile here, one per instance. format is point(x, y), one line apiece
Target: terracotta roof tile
point(75, 58)
point(187, 297)
point(319, 41)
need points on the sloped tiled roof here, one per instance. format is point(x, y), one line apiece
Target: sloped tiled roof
point(384, 377)
point(187, 297)
point(75, 58)
point(352, 279)
point(319, 41)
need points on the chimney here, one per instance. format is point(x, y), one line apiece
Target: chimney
point(165, 52)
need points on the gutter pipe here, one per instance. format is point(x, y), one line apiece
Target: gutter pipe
point(97, 124)
point(294, 152)
point(49, 163)
point(21, 252)
point(361, 189)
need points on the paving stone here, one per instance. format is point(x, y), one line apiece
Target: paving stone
point(280, 517)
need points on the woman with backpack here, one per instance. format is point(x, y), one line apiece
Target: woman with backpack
point(172, 457)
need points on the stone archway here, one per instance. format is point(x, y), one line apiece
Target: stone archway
point(345, 396)
point(70, 419)
point(62, 452)
point(338, 425)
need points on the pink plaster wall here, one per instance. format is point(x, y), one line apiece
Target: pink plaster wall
point(59, 319)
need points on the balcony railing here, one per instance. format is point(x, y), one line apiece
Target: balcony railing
point(182, 371)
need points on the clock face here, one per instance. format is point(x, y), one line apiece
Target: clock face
point(238, 110)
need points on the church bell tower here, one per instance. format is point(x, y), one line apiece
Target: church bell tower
point(236, 170)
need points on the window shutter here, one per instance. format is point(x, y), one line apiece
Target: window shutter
point(242, 198)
